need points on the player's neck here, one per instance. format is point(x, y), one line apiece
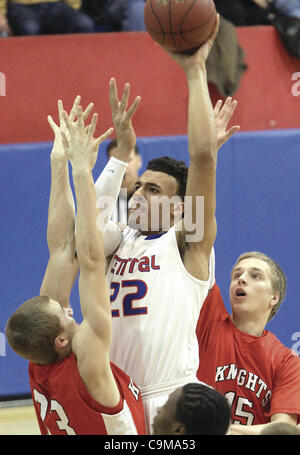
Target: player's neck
point(251, 327)
point(152, 233)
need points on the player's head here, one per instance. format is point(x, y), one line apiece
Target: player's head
point(193, 409)
point(258, 285)
point(279, 429)
point(41, 331)
point(157, 202)
point(133, 167)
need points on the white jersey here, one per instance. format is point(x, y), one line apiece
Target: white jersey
point(155, 309)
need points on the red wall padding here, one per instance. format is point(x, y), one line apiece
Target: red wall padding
point(39, 70)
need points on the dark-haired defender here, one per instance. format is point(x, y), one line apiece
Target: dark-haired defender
point(75, 388)
point(193, 409)
point(162, 270)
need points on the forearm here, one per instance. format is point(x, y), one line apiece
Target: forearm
point(108, 187)
point(61, 213)
point(88, 238)
point(202, 133)
point(279, 418)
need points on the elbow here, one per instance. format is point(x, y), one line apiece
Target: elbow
point(90, 258)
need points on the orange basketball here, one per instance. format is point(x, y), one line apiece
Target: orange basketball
point(180, 25)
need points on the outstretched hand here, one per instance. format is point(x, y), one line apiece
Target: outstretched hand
point(223, 115)
point(58, 148)
point(122, 119)
point(80, 146)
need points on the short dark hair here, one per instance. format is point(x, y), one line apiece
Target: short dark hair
point(177, 169)
point(31, 331)
point(203, 410)
point(113, 144)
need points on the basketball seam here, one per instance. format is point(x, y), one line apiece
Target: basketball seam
point(180, 31)
point(156, 17)
point(171, 28)
point(202, 25)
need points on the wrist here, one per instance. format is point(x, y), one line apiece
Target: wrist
point(197, 71)
point(123, 152)
point(81, 172)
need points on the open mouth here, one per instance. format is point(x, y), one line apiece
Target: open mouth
point(240, 292)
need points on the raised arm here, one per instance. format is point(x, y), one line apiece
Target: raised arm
point(62, 266)
point(109, 182)
point(91, 342)
point(197, 231)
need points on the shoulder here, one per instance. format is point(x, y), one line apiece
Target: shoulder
point(282, 354)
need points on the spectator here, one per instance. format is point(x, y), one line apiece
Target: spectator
point(244, 12)
point(116, 15)
point(31, 17)
point(288, 7)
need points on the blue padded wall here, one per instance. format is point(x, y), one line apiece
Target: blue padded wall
point(257, 209)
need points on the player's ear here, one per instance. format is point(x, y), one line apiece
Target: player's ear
point(178, 209)
point(140, 162)
point(60, 342)
point(274, 299)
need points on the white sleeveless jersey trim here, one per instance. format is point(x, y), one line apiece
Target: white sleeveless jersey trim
point(129, 235)
point(121, 423)
point(155, 306)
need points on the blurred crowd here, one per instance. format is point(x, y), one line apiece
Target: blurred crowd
point(33, 17)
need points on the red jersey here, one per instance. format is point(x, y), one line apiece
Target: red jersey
point(64, 406)
point(258, 375)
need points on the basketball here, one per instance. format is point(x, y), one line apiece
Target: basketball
point(180, 25)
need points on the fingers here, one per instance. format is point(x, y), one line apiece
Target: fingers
point(73, 112)
point(88, 110)
point(52, 123)
point(131, 111)
point(67, 121)
point(216, 28)
point(119, 107)
point(226, 112)
point(60, 111)
point(228, 109)
point(217, 107)
point(113, 95)
point(104, 136)
point(124, 101)
point(91, 128)
point(80, 119)
point(233, 130)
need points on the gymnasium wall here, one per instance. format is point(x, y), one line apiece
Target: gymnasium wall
point(257, 209)
point(257, 175)
point(37, 71)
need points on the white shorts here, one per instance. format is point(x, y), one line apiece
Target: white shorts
point(156, 396)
